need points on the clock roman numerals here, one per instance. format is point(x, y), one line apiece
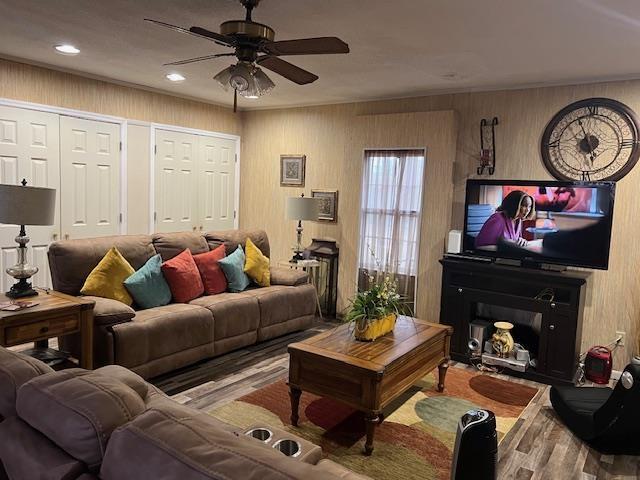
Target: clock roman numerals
point(595, 139)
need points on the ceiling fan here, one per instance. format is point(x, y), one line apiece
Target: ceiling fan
point(254, 47)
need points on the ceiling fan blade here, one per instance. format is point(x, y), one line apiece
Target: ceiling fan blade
point(287, 70)
point(216, 37)
point(200, 59)
point(224, 41)
point(306, 46)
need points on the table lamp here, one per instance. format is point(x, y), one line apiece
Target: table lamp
point(22, 205)
point(301, 208)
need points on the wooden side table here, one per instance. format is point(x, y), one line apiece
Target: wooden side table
point(308, 266)
point(55, 315)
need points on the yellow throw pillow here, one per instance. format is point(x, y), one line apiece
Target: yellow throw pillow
point(257, 265)
point(106, 279)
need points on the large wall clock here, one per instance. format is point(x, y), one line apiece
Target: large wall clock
point(593, 139)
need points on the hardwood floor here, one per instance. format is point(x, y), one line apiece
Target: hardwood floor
point(537, 447)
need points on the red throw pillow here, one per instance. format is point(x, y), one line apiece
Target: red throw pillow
point(181, 273)
point(212, 275)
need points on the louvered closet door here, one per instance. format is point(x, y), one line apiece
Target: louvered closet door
point(29, 149)
point(90, 166)
point(217, 183)
point(176, 186)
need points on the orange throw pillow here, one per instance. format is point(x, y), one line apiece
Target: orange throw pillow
point(181, 273)
point(210, 270)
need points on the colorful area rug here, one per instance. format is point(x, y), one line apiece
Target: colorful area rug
point(415, 441)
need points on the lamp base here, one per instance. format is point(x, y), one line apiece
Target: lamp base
point(297, 256)
point(21, 289)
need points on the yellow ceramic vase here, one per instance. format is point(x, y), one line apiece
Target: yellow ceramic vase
point(369, 330)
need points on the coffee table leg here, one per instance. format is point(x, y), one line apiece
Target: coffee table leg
point(371, 420)
point(294, 394)
point(442, 373)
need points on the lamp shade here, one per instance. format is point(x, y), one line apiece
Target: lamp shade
point(302, 208)
point(27, 205)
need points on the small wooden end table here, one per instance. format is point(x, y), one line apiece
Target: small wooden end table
point(368, 376)
point(55, 315)
point(308, 266)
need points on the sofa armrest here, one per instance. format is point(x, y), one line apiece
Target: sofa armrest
point(288, 276)
point(110, 312)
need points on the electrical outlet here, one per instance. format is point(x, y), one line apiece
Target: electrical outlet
point(619, 335)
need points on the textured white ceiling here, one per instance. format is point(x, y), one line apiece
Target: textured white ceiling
point(399, 48)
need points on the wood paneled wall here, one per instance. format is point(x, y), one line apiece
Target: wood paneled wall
point(332, 139)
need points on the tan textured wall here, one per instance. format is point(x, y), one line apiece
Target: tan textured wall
point(19, 81)
point(327, 134)
point(334, 140)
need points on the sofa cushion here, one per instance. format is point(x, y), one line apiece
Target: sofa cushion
point(184, 447)
point(233, 268)
point(109, 312)
point(212, 275)
point(82, 410)
point(280, 303)
point(147, 285)
point(183, 277)
point(106, 279)
point(28, 454)
point(161, 331)
point(71, 261)
point(232, 238)
point(288, 276)
point(168, 245)
point(233, 313)
point(16, 369)
point(257, 265)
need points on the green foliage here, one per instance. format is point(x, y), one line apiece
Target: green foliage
point(378, 301)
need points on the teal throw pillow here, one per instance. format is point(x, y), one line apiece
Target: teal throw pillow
point(233, 268)
point(147, 286)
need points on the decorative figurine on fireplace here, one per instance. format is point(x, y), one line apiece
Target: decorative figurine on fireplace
point(502, 341)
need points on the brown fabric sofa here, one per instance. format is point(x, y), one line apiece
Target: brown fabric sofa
point(110, 424)
point(157, 340)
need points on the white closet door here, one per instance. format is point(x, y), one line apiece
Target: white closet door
point(217, 173)
point(176, 186)
point(29, 149)
point(90, 164)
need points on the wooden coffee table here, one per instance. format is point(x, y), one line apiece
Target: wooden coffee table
point(368, 376)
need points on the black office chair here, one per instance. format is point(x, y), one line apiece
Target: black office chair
point(607, 419)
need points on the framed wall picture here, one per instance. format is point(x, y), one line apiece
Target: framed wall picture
point(328, 204)
point(292, 170)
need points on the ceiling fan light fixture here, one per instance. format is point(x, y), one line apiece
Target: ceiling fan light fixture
point(246, 79)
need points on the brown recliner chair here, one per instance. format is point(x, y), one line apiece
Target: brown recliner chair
point(110, 424)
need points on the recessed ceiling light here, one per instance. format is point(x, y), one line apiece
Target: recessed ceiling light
point(175, 77)
point(67, 49)
point(252, 97)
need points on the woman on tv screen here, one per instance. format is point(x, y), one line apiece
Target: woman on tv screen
point(506, 223)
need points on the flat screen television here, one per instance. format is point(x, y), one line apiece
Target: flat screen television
point(540, 222)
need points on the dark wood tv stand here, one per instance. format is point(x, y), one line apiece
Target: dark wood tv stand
point(465, 283)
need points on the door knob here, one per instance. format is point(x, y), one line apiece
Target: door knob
point(194, 229)
point(200, 227)
point(55, 236)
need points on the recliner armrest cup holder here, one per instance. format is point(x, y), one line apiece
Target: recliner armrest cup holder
point(289, 447)
point(262, 434)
